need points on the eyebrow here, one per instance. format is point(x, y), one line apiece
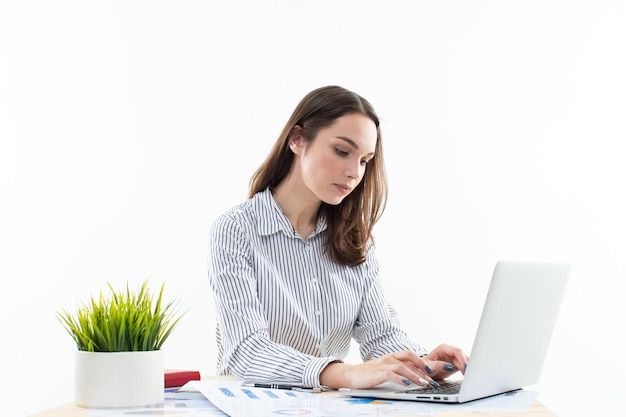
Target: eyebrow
point(351, 142)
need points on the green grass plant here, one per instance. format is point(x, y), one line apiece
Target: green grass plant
point(123, 321)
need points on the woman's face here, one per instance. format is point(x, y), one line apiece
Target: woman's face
point(334, 162)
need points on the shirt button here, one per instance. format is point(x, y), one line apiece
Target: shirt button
point(314, 280)
point(317, 346)
point(318, 313)
point(307, 247)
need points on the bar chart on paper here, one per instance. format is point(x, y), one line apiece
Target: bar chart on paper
point(237, 400)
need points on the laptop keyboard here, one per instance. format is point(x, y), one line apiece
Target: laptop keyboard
point(446, 387)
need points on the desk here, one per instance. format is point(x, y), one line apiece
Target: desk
point(536, 410)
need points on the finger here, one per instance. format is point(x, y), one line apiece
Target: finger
point(460, 360)
point(415, 361)
point(449, 367)
point(418, 380)
point(418, 368)
point(453, 356)
point(407, 372)
point(426, 365)
point(424, 380)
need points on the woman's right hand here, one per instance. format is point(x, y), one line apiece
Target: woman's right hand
point(401, 368)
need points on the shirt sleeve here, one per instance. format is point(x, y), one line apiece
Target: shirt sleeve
point(378, 329)
point(246, 348)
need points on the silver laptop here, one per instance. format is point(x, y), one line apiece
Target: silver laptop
point(511, 342)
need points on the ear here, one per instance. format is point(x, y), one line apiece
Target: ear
point(296, 142)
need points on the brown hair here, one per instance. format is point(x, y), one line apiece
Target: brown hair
point(350, 223)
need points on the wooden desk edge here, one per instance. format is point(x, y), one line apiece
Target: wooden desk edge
point(536, 410)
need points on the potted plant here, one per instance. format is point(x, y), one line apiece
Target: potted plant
point(119, 362)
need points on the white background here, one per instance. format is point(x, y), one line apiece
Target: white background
point(127, 127)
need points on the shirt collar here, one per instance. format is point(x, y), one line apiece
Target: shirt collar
point(277, 219)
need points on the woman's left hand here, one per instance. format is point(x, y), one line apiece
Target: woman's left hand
point(446, 360)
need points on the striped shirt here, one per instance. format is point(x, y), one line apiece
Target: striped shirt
point(284, 309)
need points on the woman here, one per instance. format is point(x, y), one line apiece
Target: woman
point(293, 269)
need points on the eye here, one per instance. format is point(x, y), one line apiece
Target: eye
point(341, 152)
point(365, 161)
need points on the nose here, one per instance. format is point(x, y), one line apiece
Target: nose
point(354, 169)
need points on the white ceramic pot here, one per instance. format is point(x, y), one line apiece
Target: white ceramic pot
point(118, 379)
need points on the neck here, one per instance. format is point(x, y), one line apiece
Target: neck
point(300, 208)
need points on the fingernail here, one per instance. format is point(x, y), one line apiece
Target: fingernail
point(434, 383)
point(465, 365)
point(430, 371)
point(448, 367)
point(406, 381)
point(423, 382)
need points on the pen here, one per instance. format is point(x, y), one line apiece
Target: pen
point(286, 387)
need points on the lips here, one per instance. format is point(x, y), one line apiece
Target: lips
point(345, 189)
